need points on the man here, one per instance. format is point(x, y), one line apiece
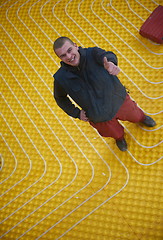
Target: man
point(89, 77)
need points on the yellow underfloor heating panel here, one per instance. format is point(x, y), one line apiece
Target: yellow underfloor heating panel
point(59, 178)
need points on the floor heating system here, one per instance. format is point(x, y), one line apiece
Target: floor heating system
point(59, 178)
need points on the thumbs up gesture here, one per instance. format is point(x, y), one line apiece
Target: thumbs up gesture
point(111, 67)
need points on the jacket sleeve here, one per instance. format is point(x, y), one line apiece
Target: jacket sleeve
point(64, 102)
point(99, 55)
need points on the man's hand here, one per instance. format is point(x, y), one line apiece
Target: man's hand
point(83, 116)
point(111, 67)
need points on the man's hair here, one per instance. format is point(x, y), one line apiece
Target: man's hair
point(59, 42)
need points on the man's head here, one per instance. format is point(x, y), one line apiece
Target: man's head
point(67, 51)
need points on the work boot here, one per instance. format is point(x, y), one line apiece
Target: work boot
point(121, 144)
point(149, 122)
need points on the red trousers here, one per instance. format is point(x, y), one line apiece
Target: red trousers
point(129, 111)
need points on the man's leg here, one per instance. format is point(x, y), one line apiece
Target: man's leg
point(129, 111)
point(112, 129)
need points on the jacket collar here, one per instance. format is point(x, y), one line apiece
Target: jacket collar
point(82, 52)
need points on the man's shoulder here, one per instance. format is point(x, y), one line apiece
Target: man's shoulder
point(94, 51)
point(63, 74)
point(59, 73)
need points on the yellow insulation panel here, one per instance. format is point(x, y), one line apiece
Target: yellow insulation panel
point(59, 178)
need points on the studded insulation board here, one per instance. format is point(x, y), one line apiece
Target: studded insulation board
point(59, 178)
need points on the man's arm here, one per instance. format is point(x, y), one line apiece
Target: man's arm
point(107, 59)
point(111, 67)
point(64, 102)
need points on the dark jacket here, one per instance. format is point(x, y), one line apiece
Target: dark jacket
point(90, 85)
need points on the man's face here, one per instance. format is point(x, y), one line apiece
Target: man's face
point(69, 54)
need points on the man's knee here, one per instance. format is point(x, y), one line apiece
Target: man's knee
point(110, 129)
point(117, 133)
